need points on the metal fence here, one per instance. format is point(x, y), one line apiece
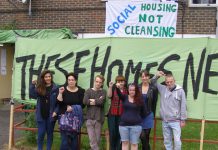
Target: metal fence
point(155, 138)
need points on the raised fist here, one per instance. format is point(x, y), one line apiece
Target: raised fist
point(111, 84)
point(34, 82)
point(61, 90)
point(160, 73)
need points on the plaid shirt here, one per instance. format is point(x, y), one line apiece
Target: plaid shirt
point(116, 107)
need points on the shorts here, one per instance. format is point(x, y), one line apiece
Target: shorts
point(130, 133)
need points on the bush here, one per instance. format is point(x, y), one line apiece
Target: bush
point(30, 123)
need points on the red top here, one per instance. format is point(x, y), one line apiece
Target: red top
point(116, 107)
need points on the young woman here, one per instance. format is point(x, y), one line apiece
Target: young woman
point(94, 98)
point(149, 94)
point(45, 91)
point(115, 111)
point(69, 96)
point(131, 118)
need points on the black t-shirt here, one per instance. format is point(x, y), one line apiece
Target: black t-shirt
point(45, 103)
point(71, 98)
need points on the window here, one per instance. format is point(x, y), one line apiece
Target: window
point(203, 3)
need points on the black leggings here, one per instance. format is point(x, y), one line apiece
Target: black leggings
point(145, 139)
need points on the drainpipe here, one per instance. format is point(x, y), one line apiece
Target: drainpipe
point(30, 10)
point(216, 22)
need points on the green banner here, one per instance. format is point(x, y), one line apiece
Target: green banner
point(10, 36)
point(193, 62)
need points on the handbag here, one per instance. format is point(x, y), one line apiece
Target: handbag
point(71, 121)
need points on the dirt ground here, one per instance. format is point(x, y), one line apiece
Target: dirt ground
point(4, 124)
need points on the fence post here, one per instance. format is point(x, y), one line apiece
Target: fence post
point(11, 126)
point(79, 140)
point(107, 139)
point(154, 135)
point(202, 134)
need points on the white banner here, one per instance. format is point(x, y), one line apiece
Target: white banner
point(141, 19)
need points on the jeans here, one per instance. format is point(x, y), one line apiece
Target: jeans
point(45, 126)
point(69, 140)
point(130, 133)
point(94, 132)
point(113, 125)
point(172, 130)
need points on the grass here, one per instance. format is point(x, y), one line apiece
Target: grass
point(23, 144)
point(190, 131)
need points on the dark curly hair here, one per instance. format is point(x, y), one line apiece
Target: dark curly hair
point(73, 75)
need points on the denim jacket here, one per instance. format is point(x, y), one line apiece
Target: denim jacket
point(53, 103)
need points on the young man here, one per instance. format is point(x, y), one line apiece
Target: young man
point(172, 110)
point(94, 98)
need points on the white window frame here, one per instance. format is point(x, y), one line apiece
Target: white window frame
point(190, 4)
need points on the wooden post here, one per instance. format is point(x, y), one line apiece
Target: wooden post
point(11, 128)
point(154, 135)
point(107, 139)
point(202, 134)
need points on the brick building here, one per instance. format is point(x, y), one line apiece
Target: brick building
point(87, 19)
point(88, 16)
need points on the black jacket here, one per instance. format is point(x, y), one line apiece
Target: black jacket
point(152, 96)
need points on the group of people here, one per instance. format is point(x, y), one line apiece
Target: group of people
point(130, 116)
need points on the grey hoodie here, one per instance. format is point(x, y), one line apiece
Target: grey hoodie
point(172, 104)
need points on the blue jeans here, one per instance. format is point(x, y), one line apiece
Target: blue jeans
point(69, 140)
point(45, 126)
point(172, 130)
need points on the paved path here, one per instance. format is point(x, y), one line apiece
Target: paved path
point(4, 124)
